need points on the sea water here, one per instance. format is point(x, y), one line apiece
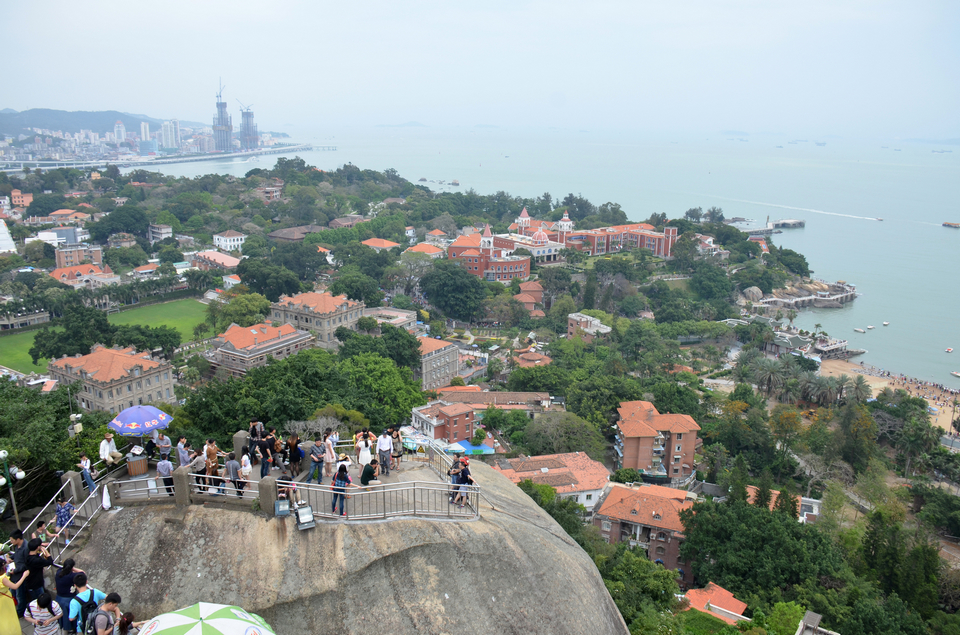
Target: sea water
point(905, 266)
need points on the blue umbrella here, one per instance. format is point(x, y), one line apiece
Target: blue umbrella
point(139, 421)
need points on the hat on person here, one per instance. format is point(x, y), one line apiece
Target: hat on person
point(108, 435)
point(465, 461)
point(343, 457)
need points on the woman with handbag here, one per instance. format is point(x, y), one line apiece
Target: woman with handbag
point(295, 453)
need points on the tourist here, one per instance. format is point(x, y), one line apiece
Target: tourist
point(295, 454)
point(397, 447)
point(127, 625)
point(288, 491)
point(66, 590)
point(108, 450)
point(163, 444)
point(277, 454)
point(44, 614)
point(329, 452)
point(232, 472)
point(266, 448)
point(84, 603)
point(184, 455)
point(343, 460)
point(199, 469)
point(20, 552)
point(9, 613)
point(384, 451)
point(464, 479)
point(86, 471)
point(42, 533)
point(165, 471)
point(246, 467)
point(364, 453)
point(370, 473)
point(317, 456)
point(107, 614)
point(37, 560)
point(65, 512)
point(454, 474)
point(212, 464)
point(340, 483)
point(255, 435)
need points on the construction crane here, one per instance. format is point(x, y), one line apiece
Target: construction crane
point(245, 108)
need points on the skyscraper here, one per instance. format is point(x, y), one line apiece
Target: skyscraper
point(222, 126)
point(170, 133)
point(144, 131)
point(119, 132)
point(249, 138)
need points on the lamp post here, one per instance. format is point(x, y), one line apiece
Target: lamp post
point(8, 477)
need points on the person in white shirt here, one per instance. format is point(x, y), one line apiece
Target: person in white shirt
point(108, 450)
point(384, 450)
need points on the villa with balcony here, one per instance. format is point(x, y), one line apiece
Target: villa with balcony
point(659, 446)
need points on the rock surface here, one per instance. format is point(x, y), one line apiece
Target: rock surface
point(753, 294)
point(512, 571)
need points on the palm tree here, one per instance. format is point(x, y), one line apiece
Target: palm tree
point(819, 390)
point(791, 316)
point(816, 329)
point(791, 391)
point(831, 391)
point(768, 375)
point(916, 438)
point(861, 390)
point(842, 382)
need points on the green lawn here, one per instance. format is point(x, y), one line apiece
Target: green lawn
point(183, 315)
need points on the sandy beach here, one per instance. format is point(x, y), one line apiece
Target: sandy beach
point(835, 367)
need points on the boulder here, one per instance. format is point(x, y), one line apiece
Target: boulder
point(515, 570)
point(753, 294)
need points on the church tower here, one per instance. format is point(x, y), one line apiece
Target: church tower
point(486, 242)
point(564, 225)
point(523, 222)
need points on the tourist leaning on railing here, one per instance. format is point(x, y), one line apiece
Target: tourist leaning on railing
point(108, 449)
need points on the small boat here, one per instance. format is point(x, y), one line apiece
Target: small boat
point(455, 182)
point(955, 374)
point(949, 350)
point(423, 179)
point(870, 327)
point(880, 219)
point(859, 330)
point(886, 324)
point(953, 225)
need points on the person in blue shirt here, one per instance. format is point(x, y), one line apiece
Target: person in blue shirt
point(83, 595)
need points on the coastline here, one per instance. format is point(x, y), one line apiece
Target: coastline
point(835, 367)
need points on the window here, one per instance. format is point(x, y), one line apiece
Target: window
point(130, 389)
point(679, 436)
point(676, 470)
point(679, 448)
point(589, 497)
point(676, 459)
point(657, 517)
point(661, 551)
point(159, 396)
point(634, 512)
point(139, 401)
point(605, 525)
point(166, 376)
point(110, 394)
point(136, 372)
point(148, 381)
point(168, 393)
point(139, 385)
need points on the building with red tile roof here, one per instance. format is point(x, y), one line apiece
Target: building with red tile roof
point(426, 248)
point(90, 276)
point(527, 300)
point(241, 348)
point(320, 313)
point(486, 256)
point(450, 422)
point(660, 445)
point(439, 362)
point(648, 517)
point(116, 378)
point(215, 261)
point(533, 289)
point(574, 474)
point(717, 601)
point(531, 359)
point(70, 255)
point(379, 244)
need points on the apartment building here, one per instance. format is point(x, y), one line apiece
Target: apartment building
point(661, 445)
point(70, 255)
point(439, 362)
point(450, 422)
point(229, 240)
point(241, 348)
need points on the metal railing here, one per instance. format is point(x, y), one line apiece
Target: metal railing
point(218, 486)
point(141, 489)
point(88, 508)
point(389, 500)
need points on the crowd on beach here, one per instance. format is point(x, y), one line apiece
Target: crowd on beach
point(936, 394)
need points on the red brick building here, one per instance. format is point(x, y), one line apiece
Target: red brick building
point(657, 444)
point(647, 517)
point(450, 422)
point(486, 256)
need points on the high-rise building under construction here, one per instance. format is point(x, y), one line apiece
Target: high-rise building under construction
point(249, 138)
point(222, 126)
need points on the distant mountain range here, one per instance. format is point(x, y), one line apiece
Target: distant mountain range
point(15, 123)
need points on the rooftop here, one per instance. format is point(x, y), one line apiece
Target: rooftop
point(567, 473)
point(426, 248)
point(224, 260)
point(317, 302)
point(643, 505)
point(106, 364)
point(465, 395)
point(380, 243)
point(244, 337)
point(641, 419)
point(230, 234)
point(714, 596)
point(430, 345)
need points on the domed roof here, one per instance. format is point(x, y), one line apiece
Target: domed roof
point(540, 237)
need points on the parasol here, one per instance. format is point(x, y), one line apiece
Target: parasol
point(139, 421)
point(204, 618)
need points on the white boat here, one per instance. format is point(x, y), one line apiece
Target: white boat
point(859, 330)
point(870, 327)
point(886, 324)
point(949, 350)
point(955, 374)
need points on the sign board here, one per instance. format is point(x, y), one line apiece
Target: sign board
point(421, 451)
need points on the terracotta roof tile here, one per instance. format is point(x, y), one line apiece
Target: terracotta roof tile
point(426, 248)
point(380, 243)
point(74, 272)
point(567, 473)
point(641, 419)
point(242, 337)
point(716, 596)
point(436, 232)
point(532, 285)
point(319, 302)
point(107, 364)
point(642, 505)
point(429, 345)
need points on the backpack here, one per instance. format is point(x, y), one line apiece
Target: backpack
point(91, 625)
point(87, 608)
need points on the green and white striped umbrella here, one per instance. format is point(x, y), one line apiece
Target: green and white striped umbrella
point(204, 618)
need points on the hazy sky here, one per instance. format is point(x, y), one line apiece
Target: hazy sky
point(815, 67)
